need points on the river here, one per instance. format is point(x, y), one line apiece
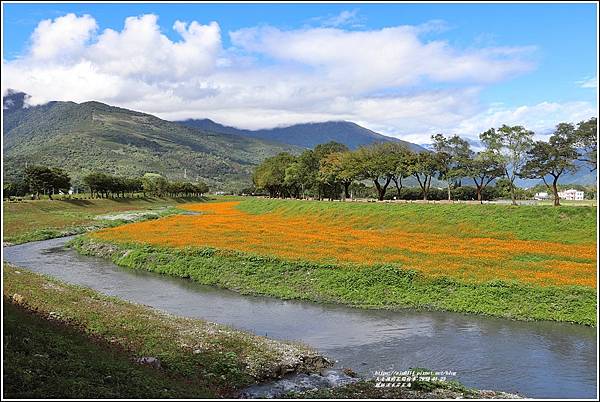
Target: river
point(534, 359)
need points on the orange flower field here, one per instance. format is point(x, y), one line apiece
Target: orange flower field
point(470, 259)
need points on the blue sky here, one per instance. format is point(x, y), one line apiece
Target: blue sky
point(556, 53)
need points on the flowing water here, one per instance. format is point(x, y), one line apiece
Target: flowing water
point(534, 359)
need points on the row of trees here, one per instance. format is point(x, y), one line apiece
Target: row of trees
point(105, 185)
point(508, 152)
point(39, 180)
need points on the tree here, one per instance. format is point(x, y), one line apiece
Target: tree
point(482, 167)
point(335, 170)
point(586, 136)
point(451, 154)
point(45, 180)
point(154, 184)
point(510, 144)
point(293, 179)
point(60, 180)
point(400, 158)
point(553, 158)
point(15, 188)
point(324, 183)
point(306, 171)
point(375, 163)
point(270, 174)
point(423, 166)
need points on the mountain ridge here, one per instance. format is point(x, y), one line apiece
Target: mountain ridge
point(306, 135)
point(89, 136)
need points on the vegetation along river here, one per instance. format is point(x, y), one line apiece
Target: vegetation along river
point(534, 359)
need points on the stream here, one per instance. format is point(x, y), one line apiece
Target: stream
point(533, 359)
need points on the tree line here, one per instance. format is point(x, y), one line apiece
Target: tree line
point(508, 152)
point(38, 180)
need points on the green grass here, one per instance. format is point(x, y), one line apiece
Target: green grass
point(211, 356)
point(565, 224)
point(44, 219)
point(379, 286)
point(45, 359)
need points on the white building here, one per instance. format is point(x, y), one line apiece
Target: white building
point(541, 196)
point(571, 194)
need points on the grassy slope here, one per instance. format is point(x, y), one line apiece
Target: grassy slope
point(362, 286)
point(212, 356)
point(44, 359)
point(44, 219)
point(568, 225)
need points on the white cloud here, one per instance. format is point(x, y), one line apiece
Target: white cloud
point(540, 118)
point(389, 57)
point(344, 18)
point(590, 82)
point(64, 37)
point(141, 50)
point(390, 80)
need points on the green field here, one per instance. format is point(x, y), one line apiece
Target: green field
point(26, 221)
point(525, 222)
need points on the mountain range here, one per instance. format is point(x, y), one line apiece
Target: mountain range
point(93, 136)
point(306, 135)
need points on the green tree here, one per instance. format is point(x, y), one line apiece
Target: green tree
point(325, 184)
point(483, 168)
point(552, 158)
point(587, 141)
point(270, 174)
point(45, 180)
point(424, 166)
point(305, 173)
point(452, 153)
point(336, 171)
point(510, 144)
point(155, 184)
point(376, 163)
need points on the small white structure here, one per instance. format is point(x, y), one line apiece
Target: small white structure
point(541, 196)
point(571, 194)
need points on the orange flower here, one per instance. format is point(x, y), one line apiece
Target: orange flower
point(310, 237)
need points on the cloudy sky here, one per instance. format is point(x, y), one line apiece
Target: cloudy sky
point(404, 70)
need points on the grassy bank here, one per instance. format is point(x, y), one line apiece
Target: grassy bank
point(372, 286)
point(463, 242)
point(212, 357)
point(46, 359)
point(525, 222)
point(45, 219)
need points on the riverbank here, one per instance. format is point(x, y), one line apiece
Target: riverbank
point(215, 359)
point(376, 286)
point(35, 220)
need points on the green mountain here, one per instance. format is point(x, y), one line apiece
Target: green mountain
point(307, 135)
point(94, 136)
